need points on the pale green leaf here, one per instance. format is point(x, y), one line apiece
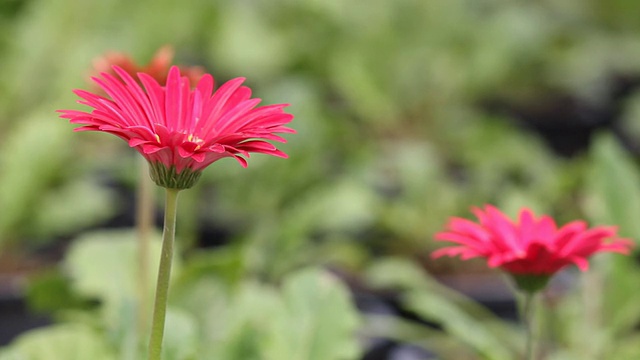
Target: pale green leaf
point(614, 187)
point(315, 321)
point(104, 264)
point(474, 332)
point(462, 318)
point(180, 336)
point(30, 158)
point(246, 322)
point(76, 205)
point(67, 341)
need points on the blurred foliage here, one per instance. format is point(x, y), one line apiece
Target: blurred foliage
point(474, 329)
point(73, 342)
point(208, 318)
point(614, 187)
point(397, 130)
point(393, 136)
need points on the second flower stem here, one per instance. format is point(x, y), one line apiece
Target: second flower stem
point(164, 274)
point(144, 229)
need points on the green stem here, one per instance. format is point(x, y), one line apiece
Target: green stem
point(164, 273)
point(527, 315)
point(144, 227)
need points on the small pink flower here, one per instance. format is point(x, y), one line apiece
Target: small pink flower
point(181, 130)
point(529, 246)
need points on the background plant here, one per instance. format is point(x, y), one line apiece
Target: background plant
point(407, 112)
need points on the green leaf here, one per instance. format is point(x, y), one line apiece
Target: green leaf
point(180, 336)
point(59, 211)
point(247, 322)
point(225, 262)
point(247, 41)
point(409, 332)
point(68, 342)
point(315, 320)
point(310, 318)
point(620, 312)
point(627, 348)
point(473, 332)
point(614, 187)
point(103, 264)
point(50, 291)
point(467, 321)
point(30, 157)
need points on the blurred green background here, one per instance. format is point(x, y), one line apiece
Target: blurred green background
point(407, 112)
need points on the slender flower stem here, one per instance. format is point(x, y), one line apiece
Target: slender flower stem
point(528, 316)
point(144, 227)
point(164, 273)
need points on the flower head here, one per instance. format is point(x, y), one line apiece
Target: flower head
point(181, 130)
point(530, 246)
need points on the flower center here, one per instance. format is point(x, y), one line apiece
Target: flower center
point(194, 139)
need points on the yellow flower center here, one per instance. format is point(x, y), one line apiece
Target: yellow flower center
point(194, 139)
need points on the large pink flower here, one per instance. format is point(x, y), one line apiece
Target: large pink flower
point(181, 130)
point(529, 246)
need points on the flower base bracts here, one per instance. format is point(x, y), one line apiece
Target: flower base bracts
point(530, 283)
point(169, 178)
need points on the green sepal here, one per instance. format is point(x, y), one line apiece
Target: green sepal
point(169, 178)
point(530, 283)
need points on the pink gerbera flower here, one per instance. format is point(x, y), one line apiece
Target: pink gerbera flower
point(181, 130)
point(530, 246)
